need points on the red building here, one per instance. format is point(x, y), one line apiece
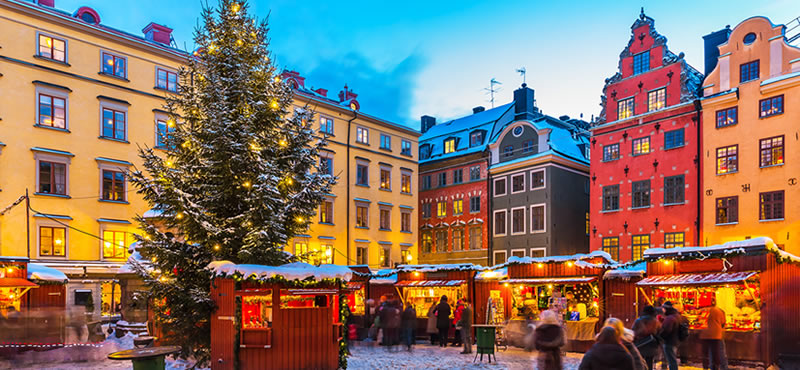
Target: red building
point(644, 172)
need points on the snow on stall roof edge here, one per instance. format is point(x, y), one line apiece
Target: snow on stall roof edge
point(41, 272)
point(550, 259)
point(729, 247)
point(290, 271)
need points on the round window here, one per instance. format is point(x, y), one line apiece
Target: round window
point(749, 38)
point(88, 18)
point(517, 131)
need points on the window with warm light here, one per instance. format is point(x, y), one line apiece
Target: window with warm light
point(771, 106)
point(639, 244)
point(326, 125)
point(611, 246)
point(727, 210)
point(362, 216)
point(301, 251)
point(656, 99)
point(405, 183)
point(326, 212)
point(114, 65)
point(115, 244)
point(610, 152)
point(641, 145)
point(362, 135)
point(405, 256)
point(52, 48)
point(52, 111)
point(427, 242)
point(727, 117)
point(386, 259)
point(674, 240)
point(771, 151)
point(441, 209)
point(625, 108)
point(386, 179)
point(113, 124)
point(458, 206)
point(449, 146)
point(113, 185)
point(727, 159)
point(52, 241)
point(166, 80)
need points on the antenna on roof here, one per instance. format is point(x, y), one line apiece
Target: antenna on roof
point(522, 71)
point(491, 89)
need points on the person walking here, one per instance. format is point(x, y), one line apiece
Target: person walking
point(714, 356)
point(607, 353)
point(670, 329)
point(409, 324)
point(456, 320)
point(465, 323)
point(442, 312)
point(549, 337)
point(645, 335)
point(626, 338)
point(431, 328)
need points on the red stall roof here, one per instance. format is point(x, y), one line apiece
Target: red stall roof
point(16, 283)
point(554, 280)
point(698, 279)
point(354, 285)
point(429, 283)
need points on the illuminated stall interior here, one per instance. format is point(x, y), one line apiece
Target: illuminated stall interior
point(575, 299)
point(423, 293)
point(355, 295)
point(13, 286)
point(111, 297)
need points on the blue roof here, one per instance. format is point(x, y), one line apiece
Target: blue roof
point(564, 141)
point(460, 129)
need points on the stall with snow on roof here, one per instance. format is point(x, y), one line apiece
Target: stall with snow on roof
point(277, 317)
point(621, 297)
point(755, 283)
point(14, 284)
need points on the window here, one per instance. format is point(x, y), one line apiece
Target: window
point(518, 253)
point(426, 210)
point(405, 183)
point(424, 151)
point(52, 241)
point(771, 205)
point(474, 173)
point(673, 139)
point(427, 242)
point(475, 138)
point(52, 178)
point(113, 185)
point(625, 108)
point(458, 206)
point(537, 179)
point(517, 221)
point(528, 146)
point(537, 218)
point(640, 243)
point(500, 223)
point(82, 296)
point(115, 244)
point(458, 176)
point(499, 257)
point(517, 183)
point(641, 62)
point(727, 159)
point(441, 209)
point(458, 239)
point(538, 252)
point(386, 179)
point(362, 216)
point(508, 151)
point(166, 80)
point(441, 240)
point(674, 187)
point(641, 194)
point(426, 182)
point(326, 254)
point(587, 223)
point(449, 146)
point(748, 71)
point(500, 186)
point(52, 111)
point(405, 221)
point(727, 210)
point(361, 256)
point(52, 48)
point(385, 219)
point(362, 175)
point(386, 142)
point(113, 124)
point(114, 65)
point(405, 256)
point(673, 240)
point(727, 117)
point(771, 151)
point(164, 130)
point(475, 237)
point(641, 145)
point(656, 99)
point(611, 198)
point(362, 135)
point(771, 106)
point(405, 147)
point(475, 204)
point(326, 212)
point(326, 125)
point(326, 165)
point(386, 260)
point(442, 179)
point(611, 246)
point(610, 152)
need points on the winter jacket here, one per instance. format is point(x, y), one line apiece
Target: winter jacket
point(410, 318)
point(443, 315)
point(457, 314)
point(465, 320)
point(643, 328)
point(670, 327)
point(607, 357)
point(638, 360)
point(431, 329)
point(716, 324)
point(549, 337)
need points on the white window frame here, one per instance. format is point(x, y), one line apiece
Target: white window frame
point(544, 179)
point(521, 174)
point(121, 107)
point(56, 158)
point(538, 249)
point(494, 186)
point(112, 166)
point(494, 223)
point(55, 92)
point(524, 220)
point(504, 253)
point(333, 124)
point(116, 55)
point(50, 35)
point(544, 213)
point(359, 130)
point(46, 222)
point(518, 250)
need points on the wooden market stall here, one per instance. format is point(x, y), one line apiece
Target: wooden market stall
point(621, 297)
point(276, 317)
point(753, 281)
point(356, 292)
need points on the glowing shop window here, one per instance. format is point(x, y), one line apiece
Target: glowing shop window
point(257, 311)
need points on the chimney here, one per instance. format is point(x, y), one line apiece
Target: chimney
point(427, 123)
point(478, 109)
point(710, 46)
point(50, 3)
point(564, 118)
point(322, 92)
point(346, 94)
point(293, 78)
point(523, 103)
point(158, 33)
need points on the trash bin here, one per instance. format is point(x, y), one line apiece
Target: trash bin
point(485, 336)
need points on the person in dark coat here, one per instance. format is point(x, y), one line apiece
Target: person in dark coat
point(626, 338)
point(430, 329)
point(409, 324)
point(466, 326)
point(607, 353)
point(669, 332)
point(442, 313)
point(645, 335)
point(549, 337)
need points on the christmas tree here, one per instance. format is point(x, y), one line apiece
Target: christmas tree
point(240, 178)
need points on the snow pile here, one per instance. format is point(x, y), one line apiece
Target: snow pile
point(626, 272)
point(493, 274)
point(552, 259)
point(739, 246)
point(43, 273)
point(385, 276)
point(290, 271)
point(440, 267)
point(134, 258)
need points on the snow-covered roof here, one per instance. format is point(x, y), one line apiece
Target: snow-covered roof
point(738, 246)
point(627, 271)
point(153, 213)
point(460, 129)
point(555, 259)
point(289, 271)
point(493, 274)
point(43, 273)
point(439, 267)
point(564, 139)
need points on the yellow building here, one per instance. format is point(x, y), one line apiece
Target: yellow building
point(370, 216)
point(77, 99)
point(750, 157)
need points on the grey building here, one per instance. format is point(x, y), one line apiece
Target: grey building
point(538, 184)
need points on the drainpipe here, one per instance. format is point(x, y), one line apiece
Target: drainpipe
point(698, 108)
point(347, 182)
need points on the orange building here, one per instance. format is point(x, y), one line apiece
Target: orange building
point(750, 159)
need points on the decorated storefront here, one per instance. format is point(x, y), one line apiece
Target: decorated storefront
point(753, 282)
point(14, 284)
point(621, 296)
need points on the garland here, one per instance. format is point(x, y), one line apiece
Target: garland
point(780, 256)
point(237, 329)
point(344, 313)
point(308, 282)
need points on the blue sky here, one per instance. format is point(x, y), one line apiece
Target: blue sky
point(406, 59)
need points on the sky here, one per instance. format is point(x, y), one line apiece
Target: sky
point(413, 58)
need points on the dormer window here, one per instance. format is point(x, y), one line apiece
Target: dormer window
point(475, 138)
point(641, 62)
point(425, 151)
point(449, 146)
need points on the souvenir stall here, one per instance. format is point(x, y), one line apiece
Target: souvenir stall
point(621, 297)
point(356, 294)
point(277, 317)
point(14, 287)
point(492, 292)
point(755, 283)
